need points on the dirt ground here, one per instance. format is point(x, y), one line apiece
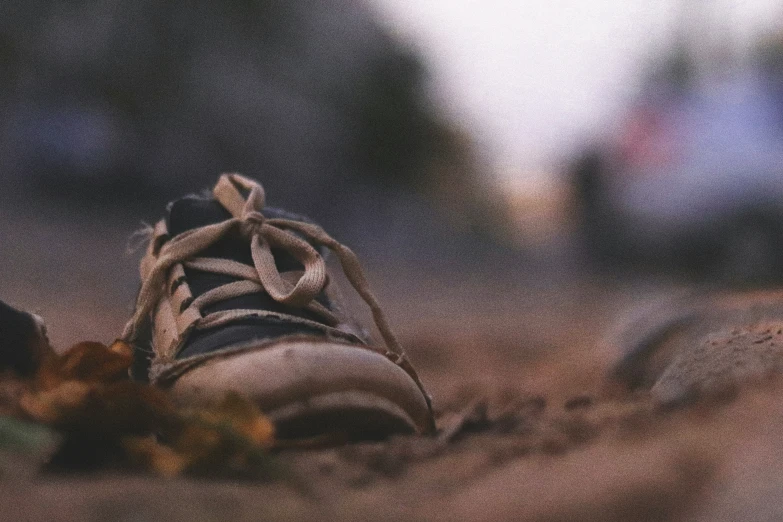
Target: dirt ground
point(515, 360)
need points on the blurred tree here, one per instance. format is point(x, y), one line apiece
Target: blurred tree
point(137, 98)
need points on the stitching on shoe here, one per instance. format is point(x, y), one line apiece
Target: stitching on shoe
point(166, 373)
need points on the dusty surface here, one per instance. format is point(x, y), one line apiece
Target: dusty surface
point(515, 362)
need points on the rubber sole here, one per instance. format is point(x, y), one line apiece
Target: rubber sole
point(314, 388)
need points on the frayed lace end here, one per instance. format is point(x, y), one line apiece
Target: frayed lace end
point(139, 239)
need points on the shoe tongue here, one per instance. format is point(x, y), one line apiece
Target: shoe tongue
point(194, 212)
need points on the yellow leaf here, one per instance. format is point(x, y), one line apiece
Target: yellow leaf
point(154, 456)
point(227, 435)
point(55, 405)
point(86, 361)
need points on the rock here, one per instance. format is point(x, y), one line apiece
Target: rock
point(701, 345)
point(721, 362)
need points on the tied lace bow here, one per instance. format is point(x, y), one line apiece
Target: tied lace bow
point(294, 237)
point(274, 233)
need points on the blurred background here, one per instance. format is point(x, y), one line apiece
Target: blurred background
point(476, 154)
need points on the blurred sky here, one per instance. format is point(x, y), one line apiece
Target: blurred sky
point(531, 79)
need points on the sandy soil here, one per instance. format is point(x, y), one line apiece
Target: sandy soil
point(516, 364)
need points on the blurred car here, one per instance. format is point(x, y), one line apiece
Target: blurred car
point(693, 180)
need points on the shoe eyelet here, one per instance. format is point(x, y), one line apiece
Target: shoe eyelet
point(158, 243)
point(185, 304)
point(176, 284)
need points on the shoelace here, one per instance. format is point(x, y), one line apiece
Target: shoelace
point(264, 234)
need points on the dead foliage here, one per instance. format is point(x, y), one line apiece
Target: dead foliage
point(85, 400)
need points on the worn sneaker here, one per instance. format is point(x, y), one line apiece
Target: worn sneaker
point(23, 341)
point(236, 297)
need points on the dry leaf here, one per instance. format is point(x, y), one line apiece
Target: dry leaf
point(88, 362)
point(87, 389)
point(87, 395)
point(241, 416)
point(152, 455)
point(55, 405)
point(228, 436)
point(111, 410)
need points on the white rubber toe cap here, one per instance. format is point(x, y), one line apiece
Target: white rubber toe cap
point(311, 387)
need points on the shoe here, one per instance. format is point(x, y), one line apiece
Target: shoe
point(23, 341)
point(236, 297)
